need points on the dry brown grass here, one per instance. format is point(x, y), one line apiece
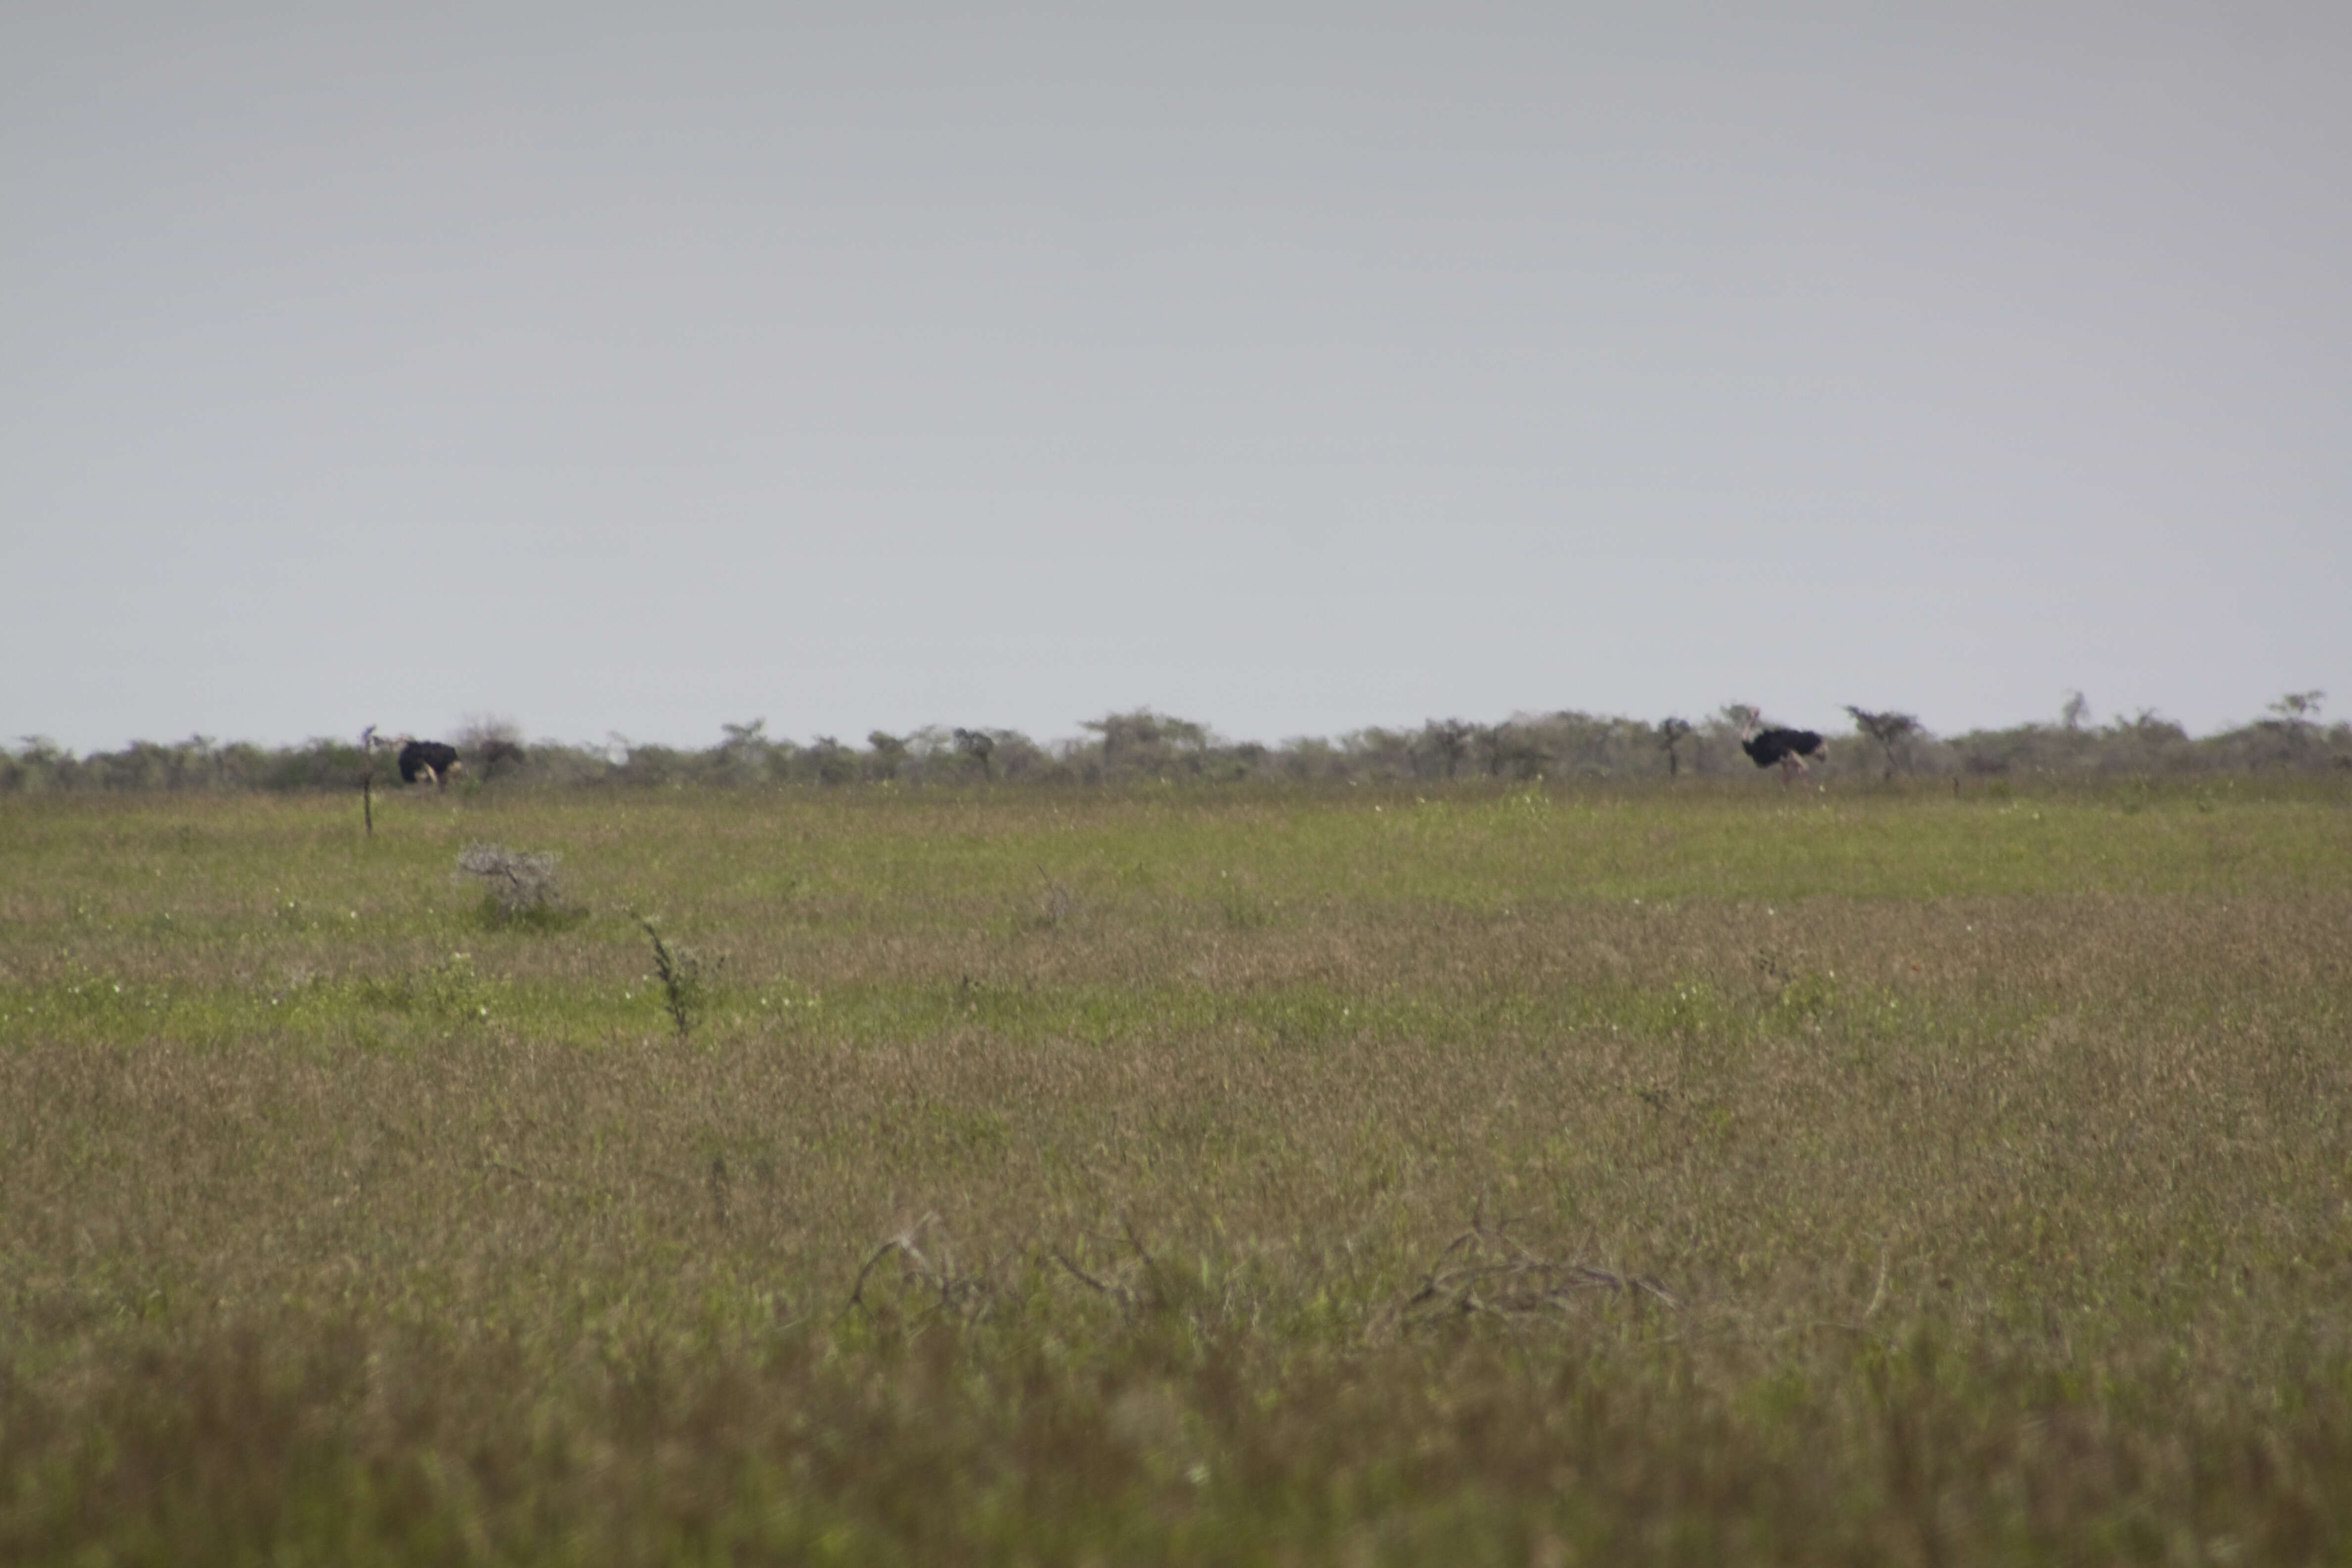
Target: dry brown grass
point(1494, 1178)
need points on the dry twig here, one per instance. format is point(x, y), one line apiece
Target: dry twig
point(1486, 1270)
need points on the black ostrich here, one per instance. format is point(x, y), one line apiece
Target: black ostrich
point(1789, 748)
point(433, 762)
point(427, 762)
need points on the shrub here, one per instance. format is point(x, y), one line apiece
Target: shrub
point(523, 887)
point(686, 977)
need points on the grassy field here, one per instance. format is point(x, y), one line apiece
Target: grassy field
point(1679, 1174)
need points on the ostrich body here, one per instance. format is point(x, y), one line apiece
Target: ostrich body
point(1788, 748)
point(430, 761)
point(427, 762)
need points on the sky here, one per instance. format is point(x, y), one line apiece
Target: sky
point(637, 369)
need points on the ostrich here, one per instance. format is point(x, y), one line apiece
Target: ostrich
point(430, 761)
point(1790, 748)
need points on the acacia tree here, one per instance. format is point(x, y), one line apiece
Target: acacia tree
point(1890, 730)
point(2298, 710)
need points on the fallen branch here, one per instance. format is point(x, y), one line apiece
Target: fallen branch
point(1516, 1285)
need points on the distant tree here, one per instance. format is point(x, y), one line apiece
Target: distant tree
point(2292, 718)
point(979, 746)
point(193, 763)
point(1374, 753)
point(652, 764)
point(1148, 743)
point(2150, 725)
point(243, 764)
point(2145, 742)
point(491, 744)
point(1312, 757)
point(1672, 733)
point(1890, 730)
point(140, 765)
point(889, 754)
point(1015, 756)
point(1510, 749)
point(1449, 740)
point(2299, 710)
point(745, 755)
point(832, 762)
point(2076, 714)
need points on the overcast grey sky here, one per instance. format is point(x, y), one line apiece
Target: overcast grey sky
point(1289, 368)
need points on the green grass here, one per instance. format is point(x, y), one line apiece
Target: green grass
point(1688, 1174)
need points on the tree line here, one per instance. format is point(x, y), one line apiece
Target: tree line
point(1147, 745)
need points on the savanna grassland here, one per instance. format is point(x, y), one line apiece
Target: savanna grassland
point(1541, 1175)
